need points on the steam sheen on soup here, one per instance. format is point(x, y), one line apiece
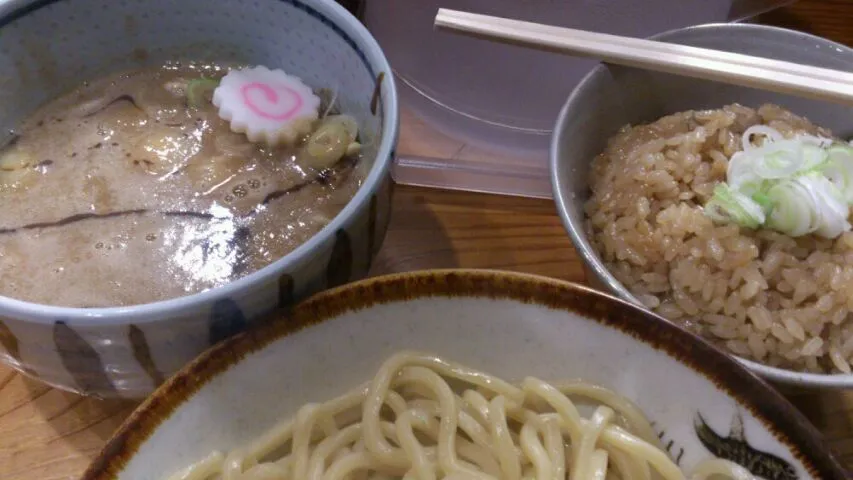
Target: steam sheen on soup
point(123, 192)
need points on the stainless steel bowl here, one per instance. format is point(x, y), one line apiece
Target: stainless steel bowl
point(612, 96)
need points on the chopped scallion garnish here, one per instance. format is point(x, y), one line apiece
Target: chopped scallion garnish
point(796, 186)
point(199, 90)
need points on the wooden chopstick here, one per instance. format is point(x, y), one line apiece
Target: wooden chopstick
point(450, 18)
point(734, 68)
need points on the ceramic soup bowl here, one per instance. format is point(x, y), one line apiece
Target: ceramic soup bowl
point(701, 402)
point(49, 46)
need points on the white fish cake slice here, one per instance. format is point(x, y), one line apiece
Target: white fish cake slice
point(268, 106)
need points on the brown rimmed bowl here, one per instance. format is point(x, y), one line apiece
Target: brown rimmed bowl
point(702, 402)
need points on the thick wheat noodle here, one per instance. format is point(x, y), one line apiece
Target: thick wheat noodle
point(598, 465)
point(592, 431)
point(374, 441)
point(556, 447)
point(624, 407)
point(534, 449)
point(622, 463)
point(409, 423)
point(476, 450)
point(502, 441)
point(428, 425)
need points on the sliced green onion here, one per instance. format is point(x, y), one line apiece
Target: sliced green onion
point(731, 206)
point(797, 186)
point(333, 139)
point(839, 169)
point(808, 204)
point(199, 90)
point(830, 204)
point(841, 149)
point(777, 160)
point(762, 199)
point(741, 170)
point(793, 209)
point(770, 133)
point(814, 157)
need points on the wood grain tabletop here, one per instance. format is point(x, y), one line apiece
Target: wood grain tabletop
point(47, 434)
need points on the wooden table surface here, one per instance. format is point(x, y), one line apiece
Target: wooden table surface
point(47, 434)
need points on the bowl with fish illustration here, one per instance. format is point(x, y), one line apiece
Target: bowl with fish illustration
point(174, 171)
point(466, 374)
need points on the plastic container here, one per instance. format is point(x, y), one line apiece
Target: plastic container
point(478, 115)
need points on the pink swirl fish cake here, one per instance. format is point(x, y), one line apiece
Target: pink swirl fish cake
point(268, 106)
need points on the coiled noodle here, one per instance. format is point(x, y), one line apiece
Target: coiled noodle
point(425, 418)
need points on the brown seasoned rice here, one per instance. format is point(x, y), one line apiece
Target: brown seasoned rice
point(782, 301)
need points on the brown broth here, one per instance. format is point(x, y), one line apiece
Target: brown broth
point(118, 193)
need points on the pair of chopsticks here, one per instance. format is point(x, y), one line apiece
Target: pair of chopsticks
point(734, 68)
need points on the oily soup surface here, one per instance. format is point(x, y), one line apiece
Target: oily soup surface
point(119, 193)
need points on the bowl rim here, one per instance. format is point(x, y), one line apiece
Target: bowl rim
point(776, 414)
point(169, 309)
point(591, 258)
